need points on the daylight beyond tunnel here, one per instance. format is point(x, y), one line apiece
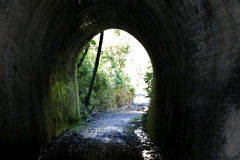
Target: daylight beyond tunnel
point(114, 73)
point(194, 47)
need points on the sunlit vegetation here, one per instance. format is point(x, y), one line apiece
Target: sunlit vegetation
point(112, 88)
point(134, 124)
point(148, 78)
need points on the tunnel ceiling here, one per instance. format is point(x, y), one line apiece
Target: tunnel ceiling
point(194, 47)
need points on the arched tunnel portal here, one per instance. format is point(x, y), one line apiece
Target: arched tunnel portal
point(194, 47)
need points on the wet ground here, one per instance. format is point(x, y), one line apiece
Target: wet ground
point(111, 136)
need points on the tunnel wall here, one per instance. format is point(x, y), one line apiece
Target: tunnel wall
point(201, 117)
point(194, 47)
point(38, 90)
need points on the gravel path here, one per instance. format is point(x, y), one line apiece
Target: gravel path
point(111, 136)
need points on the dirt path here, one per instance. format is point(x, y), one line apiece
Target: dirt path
point(112, 136)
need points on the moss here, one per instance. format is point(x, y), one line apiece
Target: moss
point(152, 116)
point(60, 106)
point(74, 119)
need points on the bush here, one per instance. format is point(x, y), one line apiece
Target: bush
point(148, 78)
point(112, 87)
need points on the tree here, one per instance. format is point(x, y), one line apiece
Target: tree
point(84, 55)
point(148, 78)
point(86, 48)
point(87, 99)
point(111, 86)
point(117, 32)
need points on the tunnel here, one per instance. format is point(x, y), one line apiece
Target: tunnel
point(194, 47)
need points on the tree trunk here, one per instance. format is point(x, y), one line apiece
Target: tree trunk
point(84, 55)
point(87, 99)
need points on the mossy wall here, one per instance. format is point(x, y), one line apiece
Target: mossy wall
point(61, 110)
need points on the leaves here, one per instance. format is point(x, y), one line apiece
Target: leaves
point(117, 32)
point(148, 78)
point(112, 86)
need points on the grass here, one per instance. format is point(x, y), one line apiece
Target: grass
point(135, 119)
point(134, 125)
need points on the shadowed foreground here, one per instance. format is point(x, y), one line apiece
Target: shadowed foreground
point(110, 136)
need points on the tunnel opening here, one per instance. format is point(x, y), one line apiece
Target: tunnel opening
point(123, 77)
point(167, 85)
point(159, 35)
point(122, 86)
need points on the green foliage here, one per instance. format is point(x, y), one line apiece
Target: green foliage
point(75, 118)
point(135, 123)
point(148, 78)
point(112, 86)
point(84, 113)
point(117, 32)
point(93, 42)
point(130, 130)
point(133, 120)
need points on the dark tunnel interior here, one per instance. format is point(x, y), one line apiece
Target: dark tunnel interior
point(194, 47)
